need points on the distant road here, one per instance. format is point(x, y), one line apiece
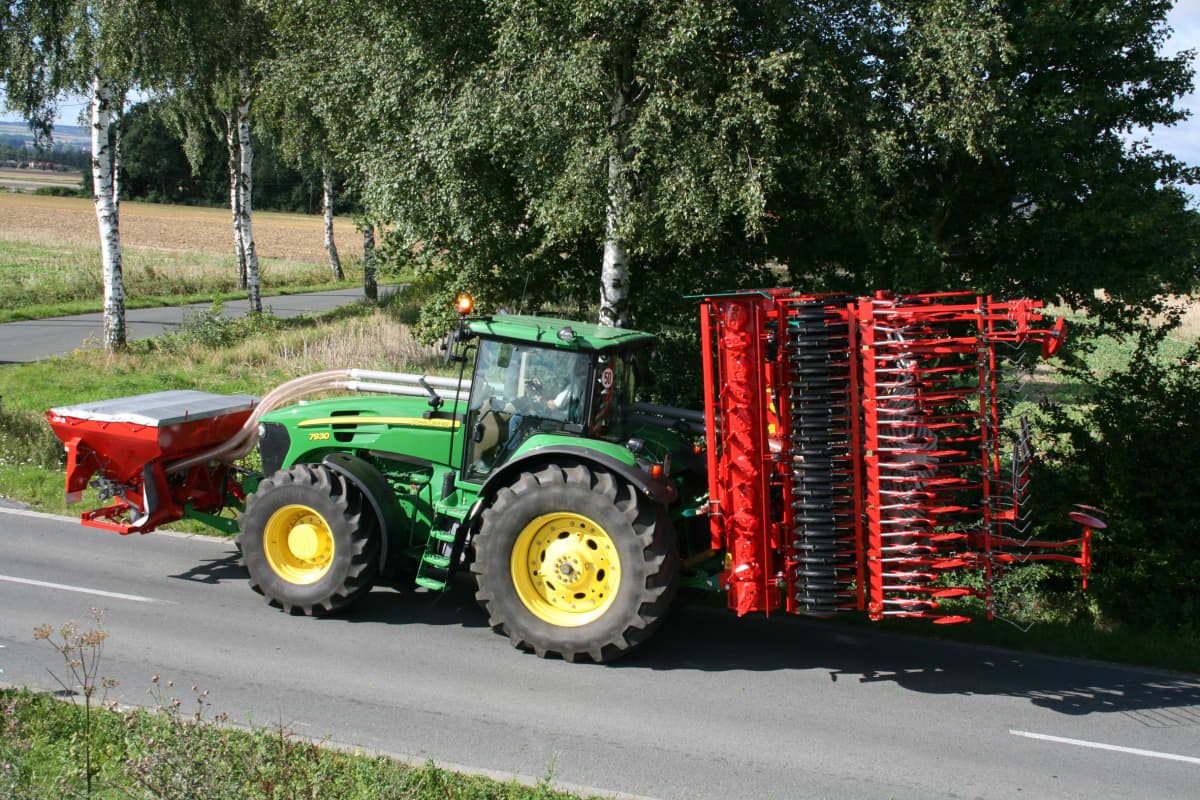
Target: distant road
point(22, 342)
point(714, 708)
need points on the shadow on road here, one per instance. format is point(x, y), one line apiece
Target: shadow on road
point(390, 603)
point(454, 607)
point(698, 639)
point(712, 641)
point(215, 570)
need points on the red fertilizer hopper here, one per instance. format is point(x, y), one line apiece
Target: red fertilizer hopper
point(133, 443)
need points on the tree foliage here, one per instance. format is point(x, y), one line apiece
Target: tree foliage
point(901, 144)
point(1053, 201)
point(489, 128)
point(1123, 453)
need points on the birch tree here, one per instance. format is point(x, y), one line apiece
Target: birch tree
point(87, 48)
point(242, 191)
point(335, 263)
point(105, 199)
point(215, 92)
point(100, 49)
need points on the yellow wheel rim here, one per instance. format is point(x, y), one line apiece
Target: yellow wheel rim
point(298, 544)
point(565, 569)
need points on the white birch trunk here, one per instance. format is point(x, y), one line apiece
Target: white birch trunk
point(614, 269)
point(253, 285)
point(120, 122)
point(370, 286)
point(335, 263)
point(235, 195)
point(106, 214)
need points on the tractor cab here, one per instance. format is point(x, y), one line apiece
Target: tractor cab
point(540, 376)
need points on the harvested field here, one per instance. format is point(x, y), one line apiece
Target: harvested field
point(42, 220)
point(30, 179)
point(50, 254)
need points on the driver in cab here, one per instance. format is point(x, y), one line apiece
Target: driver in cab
point(569, 401)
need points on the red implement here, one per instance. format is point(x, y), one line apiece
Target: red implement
point(858, 453)
point(129, 440)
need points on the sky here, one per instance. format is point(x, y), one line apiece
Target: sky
point(1183, 140)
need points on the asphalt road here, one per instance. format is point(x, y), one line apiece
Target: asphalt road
point(713, 707)
point(42, 338)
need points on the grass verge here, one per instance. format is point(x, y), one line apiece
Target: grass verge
point(173, 751)
point(249, 355)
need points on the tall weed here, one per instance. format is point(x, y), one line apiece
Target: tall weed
point(212, 329)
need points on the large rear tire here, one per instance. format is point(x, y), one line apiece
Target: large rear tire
point(309, 541)
point(573, 562)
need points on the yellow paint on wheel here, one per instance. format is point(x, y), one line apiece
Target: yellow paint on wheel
point(565, 569)
point(299, 544)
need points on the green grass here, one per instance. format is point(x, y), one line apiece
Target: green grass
point(179, 751)
point(39, 281)
point(261, 354)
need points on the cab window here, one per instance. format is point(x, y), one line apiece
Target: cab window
point(518, 390)
point(614, 388)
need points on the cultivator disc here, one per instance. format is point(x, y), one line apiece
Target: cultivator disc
point(860, 456)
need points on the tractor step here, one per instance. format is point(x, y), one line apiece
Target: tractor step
point(433, 584)
point(433, 570)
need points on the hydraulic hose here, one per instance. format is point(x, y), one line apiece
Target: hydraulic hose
point(244, 440)
point(356, 380)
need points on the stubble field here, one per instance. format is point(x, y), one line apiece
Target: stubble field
point(50, 254)
point(45, 220)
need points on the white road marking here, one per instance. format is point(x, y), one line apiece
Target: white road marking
point(137, 598)
point(1100, 746)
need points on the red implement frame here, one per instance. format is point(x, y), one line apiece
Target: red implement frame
point(130, 459)
point(855, 450)
point(740, 486)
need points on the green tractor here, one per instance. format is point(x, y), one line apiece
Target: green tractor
point(855, 458)
point(540, 474)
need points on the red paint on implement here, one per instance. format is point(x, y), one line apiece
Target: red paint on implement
point(129, 456)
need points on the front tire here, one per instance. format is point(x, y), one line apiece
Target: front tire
point(574, 563)
point(309, 541)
